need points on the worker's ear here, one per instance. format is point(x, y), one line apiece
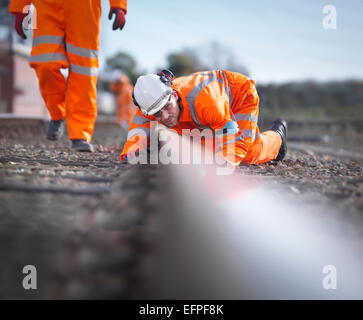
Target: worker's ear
point(175, 95)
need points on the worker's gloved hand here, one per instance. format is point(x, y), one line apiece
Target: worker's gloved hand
point(120, 18)
point(18, 26)
point(129, 156)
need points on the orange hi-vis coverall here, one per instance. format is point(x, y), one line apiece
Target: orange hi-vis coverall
point(67, 36)
point(211, 100)
point(125, 106)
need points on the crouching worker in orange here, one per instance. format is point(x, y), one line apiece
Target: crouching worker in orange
point(121, 85)
point(67, 36)
point(225, 102)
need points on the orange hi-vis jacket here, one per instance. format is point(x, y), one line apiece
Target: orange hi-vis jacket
point(67, 36)
point(210, 100)
point(125, 106)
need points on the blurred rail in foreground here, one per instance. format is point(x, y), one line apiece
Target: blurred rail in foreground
point(231, 237)
point(96, 228)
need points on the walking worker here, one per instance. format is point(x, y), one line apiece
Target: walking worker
point(220, 100)
point(121, 85)
point(67, 36)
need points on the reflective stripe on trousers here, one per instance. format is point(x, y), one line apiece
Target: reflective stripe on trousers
point(50, 57)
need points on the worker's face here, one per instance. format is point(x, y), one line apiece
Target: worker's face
point(169, 115)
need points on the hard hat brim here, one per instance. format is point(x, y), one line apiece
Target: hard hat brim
point(160, 105)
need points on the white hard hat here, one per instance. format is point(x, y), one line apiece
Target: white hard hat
point(151, 94)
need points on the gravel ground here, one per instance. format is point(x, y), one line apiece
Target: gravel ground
point(80, 218)
point(84, 219)
point(308, 174)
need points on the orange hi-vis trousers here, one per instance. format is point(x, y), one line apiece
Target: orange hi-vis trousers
point(67, 36)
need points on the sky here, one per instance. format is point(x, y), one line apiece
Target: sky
point(278, 41)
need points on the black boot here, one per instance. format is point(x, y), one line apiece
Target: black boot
point(81, 145)
point(280, 126)
point(55, 129)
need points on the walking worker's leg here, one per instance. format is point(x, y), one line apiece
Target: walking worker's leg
point(81, 106)
point(82, 43)
point(52, 87)
point(48, 56)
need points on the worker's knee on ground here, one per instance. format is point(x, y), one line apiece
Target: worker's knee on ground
point(264, 149)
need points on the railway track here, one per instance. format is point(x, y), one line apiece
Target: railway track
point(96, 228)
point(81, 220)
